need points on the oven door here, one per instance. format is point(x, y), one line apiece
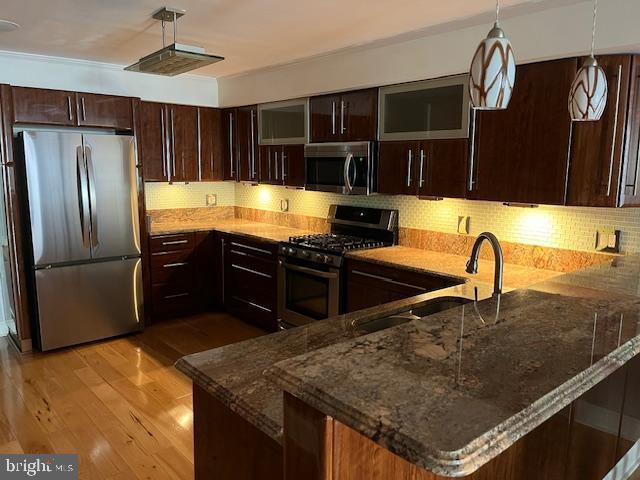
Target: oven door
point(307, 292)
point(345, 168)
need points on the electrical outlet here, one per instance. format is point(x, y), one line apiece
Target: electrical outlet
point(608, 240)
point(211, 199)
point(463, 224)
point(284, 205)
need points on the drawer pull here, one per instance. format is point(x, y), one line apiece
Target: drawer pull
point(177, 264)
point(255, 249)
point(176, 295)
point(249, 270)
point(176, 242)
point(255, 305)
point(238, 252)
point(388, 280)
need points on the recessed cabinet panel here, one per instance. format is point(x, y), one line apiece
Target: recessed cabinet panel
point(424, 110)
point(283, 122)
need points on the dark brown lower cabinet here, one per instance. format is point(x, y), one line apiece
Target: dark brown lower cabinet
point(369, 284)
point(250, 280)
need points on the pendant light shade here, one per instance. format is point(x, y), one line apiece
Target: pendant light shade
point(588, 94)
point(492, 73)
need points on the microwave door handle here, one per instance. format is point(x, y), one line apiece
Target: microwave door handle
point(347, 167)
point(355, 171)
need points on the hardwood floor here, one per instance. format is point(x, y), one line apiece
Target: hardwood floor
point(120, 404)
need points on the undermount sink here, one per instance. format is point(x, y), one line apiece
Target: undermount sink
point(434, 306)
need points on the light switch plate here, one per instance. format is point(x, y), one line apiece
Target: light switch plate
point(463, 224)
point(608, 240)
point(211, 199)
point(284, 205)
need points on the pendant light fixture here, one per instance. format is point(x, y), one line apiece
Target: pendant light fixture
point(493, 70)
point(588, 95)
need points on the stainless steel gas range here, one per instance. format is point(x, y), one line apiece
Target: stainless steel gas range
point(311, 278)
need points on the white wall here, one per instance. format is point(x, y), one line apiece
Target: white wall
point(84, 76)
point(552, 33)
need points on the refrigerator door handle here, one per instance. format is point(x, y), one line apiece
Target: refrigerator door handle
point(83, 195)
point(92, 197)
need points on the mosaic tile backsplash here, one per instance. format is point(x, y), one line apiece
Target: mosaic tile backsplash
point(561, 227)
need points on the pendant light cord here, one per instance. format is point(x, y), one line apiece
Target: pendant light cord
point(593, 30)
point(497, 11)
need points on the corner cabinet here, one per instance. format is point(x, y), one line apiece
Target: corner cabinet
point(522, 153)
point(344, 117)
point(604, 154)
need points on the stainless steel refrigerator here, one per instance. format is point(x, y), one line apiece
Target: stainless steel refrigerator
point(83, 214)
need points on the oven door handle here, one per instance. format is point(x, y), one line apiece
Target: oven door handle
point(347, 171)
point(311, 271)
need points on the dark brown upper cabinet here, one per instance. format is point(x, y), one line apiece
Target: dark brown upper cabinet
point(282, 165)
point(522, 153)
point(152, 142)
point(169, 143)
point(241, 133)
point(108, 111)
point(57, 107)
point(230, 131)
point(212, 144)
point(345, 117)
point(427, 168)
point(604, 154)
point(41, 106)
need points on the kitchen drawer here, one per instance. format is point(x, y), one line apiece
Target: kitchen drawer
point(250, 286)
point(172, 267)
point(260, 315)
point(172, 298)
point(256, 266)
point(166, 243)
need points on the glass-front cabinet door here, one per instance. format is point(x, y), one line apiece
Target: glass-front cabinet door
point(430, 109)
point(282, 123)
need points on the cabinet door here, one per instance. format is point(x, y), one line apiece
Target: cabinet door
point(183, 131)
point(265, 163)
point(324, 113)
point(37, 105)
point(630, 189)
point(152, 142)
point(230, 130)
point(247, 143)
point(294, 168)
point(358, 115)
point(442, 168)
point(522, 152)
point(106, 111)
point(212, 144)
point(597, 148)
point(397, 167)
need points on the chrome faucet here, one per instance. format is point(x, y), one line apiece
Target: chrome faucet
point(472, 264)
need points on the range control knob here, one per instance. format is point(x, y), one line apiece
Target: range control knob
point(327, 259)
point(306, 254)
point(291, 251)
point(319, 257)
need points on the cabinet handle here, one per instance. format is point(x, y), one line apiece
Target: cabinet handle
point(409, 164)
point(255, 249)
point(69, 108)
point(222, 263)
point(175, 242)
point(635, 177)
point(177, 295)
point(615, 131)
point(173, 144)
point(253, 147)
point(472, 153)
point(164, 146)
point(282, 160)
point(249, 270)
point(342, 128)
point(333, 117)
point(199, 148)
point(255, 305)
point(84, 110)
point(387, 280)
point(421, 168)
point(269, 160)
point(275, 154)
point(173, 265)
point(233, 172)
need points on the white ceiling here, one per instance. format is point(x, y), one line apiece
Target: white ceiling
point(251, 34)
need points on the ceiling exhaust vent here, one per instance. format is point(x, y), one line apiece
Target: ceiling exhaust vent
point(176, 58)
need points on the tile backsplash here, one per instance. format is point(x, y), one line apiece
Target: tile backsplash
point(561, 227)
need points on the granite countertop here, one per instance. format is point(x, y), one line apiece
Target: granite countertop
point(234, 373)
point(247, 228)
point(451, 410)
point(438, 263)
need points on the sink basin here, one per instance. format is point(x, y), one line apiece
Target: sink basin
point(439, 305)
point(434, 306)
